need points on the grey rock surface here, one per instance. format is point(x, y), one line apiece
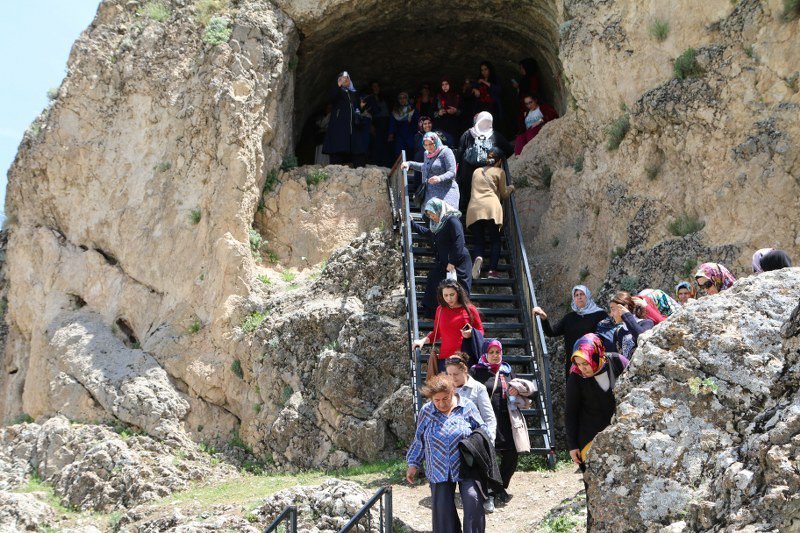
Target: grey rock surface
point(23, 512)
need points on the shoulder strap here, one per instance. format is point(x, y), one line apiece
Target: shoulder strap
point(490, 180)
point(496, 380)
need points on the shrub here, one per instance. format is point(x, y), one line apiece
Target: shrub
point(584, 273)
point(163, 166)
point(208, 8)
point(23, 418)
point(617, 131)
point(252, 321)
point(52, 94)
point(688, 268)
point(791, 81)
point(256, 240)
point(207, 447)
point(194, 327)
point(749, 51)
point(554, 242)
point(288, 276)
point(521, 182)
point(236, 368)
point(547, 176)
point(659, 29)
point(685, 225)
point(194, 216)
point(791, 9)
point(686, 65)
point(561, 524)
point(289, 162)
point(619, 251)
point(155, 10)
point(578, 165)
point(315, 177)
point(263, 278)
point(271, 181)
point(629, 284)
point(218, 31)
point(702, 386)
point(257, 408)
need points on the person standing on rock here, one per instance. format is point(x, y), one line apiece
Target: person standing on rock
point(467, 387)
point(507, 400)
point(473, 152)
point(442, 423)
point(438, 171)
point(485, 211)
point(714, 278)
point(450, 250)
point(455, 320)
point(583, 319)
point(590, 402)
point(342, 142)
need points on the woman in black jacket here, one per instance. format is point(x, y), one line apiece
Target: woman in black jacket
point(583, 319)
point(343, 140)
point(447, 235)
point(473, 152)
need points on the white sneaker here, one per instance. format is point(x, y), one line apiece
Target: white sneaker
point(488, 505)
point(476, 267)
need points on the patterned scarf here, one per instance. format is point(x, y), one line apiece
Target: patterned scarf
point(717, 273)
point(590, 349)
point(504, 369)
point(444, 211)
point(403, 112)
point(663, 302)
point(431, 136)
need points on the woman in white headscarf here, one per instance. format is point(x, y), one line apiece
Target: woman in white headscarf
point(473, 151)
point(583, 319)
point(342, 139)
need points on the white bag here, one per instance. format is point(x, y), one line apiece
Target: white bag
point(451, 275)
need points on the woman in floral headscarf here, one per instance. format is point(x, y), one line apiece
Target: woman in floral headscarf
point(714, 278)
point(438, 171)
point(660, 300)
point(590, 402)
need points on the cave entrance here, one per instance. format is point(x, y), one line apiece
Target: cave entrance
point(404, 45)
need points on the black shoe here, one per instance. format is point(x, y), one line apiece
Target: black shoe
point(503, 497)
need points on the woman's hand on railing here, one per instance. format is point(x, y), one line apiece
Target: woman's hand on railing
point(404, 166)
point(538, 311)
point(419, 343)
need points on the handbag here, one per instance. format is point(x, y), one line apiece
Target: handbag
point(419, 194)
point(433, 356)
point(475, 154)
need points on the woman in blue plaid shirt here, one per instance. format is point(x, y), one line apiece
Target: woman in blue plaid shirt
point(442, 424)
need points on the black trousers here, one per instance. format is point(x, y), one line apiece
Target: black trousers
point(508, 465)
point(481, 230)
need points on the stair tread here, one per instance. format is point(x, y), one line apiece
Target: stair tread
point(428, 324)
point(487, 282)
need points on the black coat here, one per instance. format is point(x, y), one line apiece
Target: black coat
point(466, 170)
point(504, 439)
point(450, 247)
point(573, 326)
point(479, 462)
point(341, 135)
point(589, 408)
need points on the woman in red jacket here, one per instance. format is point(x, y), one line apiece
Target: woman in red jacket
point(454, 321)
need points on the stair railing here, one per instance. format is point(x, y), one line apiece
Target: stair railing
point(540, 359)
point(287, 518)
point(383, 499)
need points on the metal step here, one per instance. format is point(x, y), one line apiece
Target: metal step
point(427, 265)
point(485, 282)
point(482, 297)
point(487, 326)
point(499, 311)
point(428, 252)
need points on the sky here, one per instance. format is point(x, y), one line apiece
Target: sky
point(35, 38)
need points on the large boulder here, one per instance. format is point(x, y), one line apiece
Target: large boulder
point(707, 430)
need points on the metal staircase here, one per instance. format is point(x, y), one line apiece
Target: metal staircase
point(504, 304)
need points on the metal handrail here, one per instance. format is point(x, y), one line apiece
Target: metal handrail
point(384, 496)
point(540, 359)
point(288, 514)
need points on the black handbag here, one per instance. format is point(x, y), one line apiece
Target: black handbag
point(419, 194)
point(475, 155)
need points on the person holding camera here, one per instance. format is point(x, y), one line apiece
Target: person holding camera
point(485, 211)
point(343, 139)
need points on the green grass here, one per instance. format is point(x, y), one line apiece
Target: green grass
point(315, 177)
point(288, 276)
point(236, 368)
point(686, 65)
point(629, 284)
point(237, 442)
point(272, 256)
point(619, 251)
point(207, 447)
point(749, 51)
point(194, 327)
point(583, 274)
point(163, 166)
point(35, 484)
point(688, 268)
point(263, 278)
point(658, 29)
point(560, 524)
point(252, 321)
point(155, 10)
point(208, 8)
point(534, 462)
point(271, 181)
point(114, 520)
point(218, 31)
point(194, 216)
point(257, 407)
point(685, 225)
point(522, 182)
point(617, 130)
point(577, 166)
point(23, 418)
point(791, 10)
point(289, 162)
point(256, 240)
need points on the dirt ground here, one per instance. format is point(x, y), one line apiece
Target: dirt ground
point(534, 495)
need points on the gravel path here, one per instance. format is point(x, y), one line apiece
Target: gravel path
point(534, 494)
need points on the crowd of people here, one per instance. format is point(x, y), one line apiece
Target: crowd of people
point(359, 128)
point(475, 414)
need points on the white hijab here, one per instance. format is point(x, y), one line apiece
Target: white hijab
point(483, 125)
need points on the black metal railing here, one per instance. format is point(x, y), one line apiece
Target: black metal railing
point(363, 520)
point(287, 519)
point(540, 362)
point(401, 214)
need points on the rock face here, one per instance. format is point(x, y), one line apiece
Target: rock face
point(707, 430)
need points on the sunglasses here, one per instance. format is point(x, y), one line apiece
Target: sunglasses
point(705, 286)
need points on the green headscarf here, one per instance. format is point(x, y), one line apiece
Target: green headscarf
point(443, 210)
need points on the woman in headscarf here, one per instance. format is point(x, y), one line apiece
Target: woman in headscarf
point(402, 125)
point(583, 319)
point(341, 140)
point(684, 292)
point(507, 400)
point(448, 111)
point(590, 402)
point(438, 171)
point(630, 317)
point(442, 423)
point(455, 320)
point(713, 278)
point(426, 103)
point(488, 92)
point(485, 211)
point(768, 259)
point(450, 250)
point(473, 152)
point(660, 300)
point(535, 115)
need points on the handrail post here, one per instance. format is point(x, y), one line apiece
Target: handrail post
point(388, 506)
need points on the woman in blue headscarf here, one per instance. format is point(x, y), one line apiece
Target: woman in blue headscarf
point(583, 319)
point(450, 250)
point(438, 171)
